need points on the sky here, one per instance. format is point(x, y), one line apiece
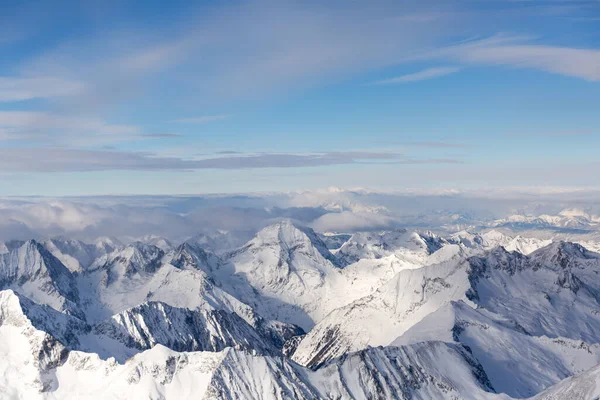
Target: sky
point(150, 97)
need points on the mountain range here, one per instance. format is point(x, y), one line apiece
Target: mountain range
point(296, 314)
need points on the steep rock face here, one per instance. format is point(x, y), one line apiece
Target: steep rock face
point(32, 271)
point(192, 256)
point(554, 291)
point(210, 327)
point(63, 327)
point(135, 259)
point(182, 329)
point(184, 286)
point(157, 241)
point(176, 304)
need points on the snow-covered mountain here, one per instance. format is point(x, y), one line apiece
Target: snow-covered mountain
point(174, 302)
point(77, 255)
point(395, 314)
point(524, 245)
point(334, 241)
point(546, 303)
point(286, 272)
point(410, 246)
point(584, 386)
point(158, 241)
point(568, 219)
point(34, 272)
point(37, 366)
point(221, 242)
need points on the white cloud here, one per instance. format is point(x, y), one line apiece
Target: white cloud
point(513, 52)
point(178, 217)
point(429, 73)
point(293, 45)
point(347, 221)
point(552, 133)
point(69, 160)
point(57, 128)
point(18, 89)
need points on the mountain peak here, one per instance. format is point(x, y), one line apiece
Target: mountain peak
point(497, 258)
point(192, 256)
point(135, 258)
point(563, 254)
point(284, 231)
point(291, 237)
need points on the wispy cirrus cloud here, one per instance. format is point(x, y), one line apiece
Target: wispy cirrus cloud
point(47, 127)
point(551, 133)
point(517, 52)
point(160, 135)
point(78, 160)
point(200, 119)
point(429, 73)
point(19, 89)
point(440, 145)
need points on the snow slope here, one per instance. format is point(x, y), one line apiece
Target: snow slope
point(34, 272)
point(554, 293)
point(409, 246)
point(286, 273)
point(516, 362)
point(585, 386)
point(40, 367)
point(390, 315)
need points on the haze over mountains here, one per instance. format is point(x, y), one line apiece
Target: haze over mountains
point(503, 308)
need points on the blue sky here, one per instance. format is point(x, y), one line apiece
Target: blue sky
point(236, 96)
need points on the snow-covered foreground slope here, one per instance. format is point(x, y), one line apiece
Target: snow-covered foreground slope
point(35, 365)
point(516, 362)
point(585, 386)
